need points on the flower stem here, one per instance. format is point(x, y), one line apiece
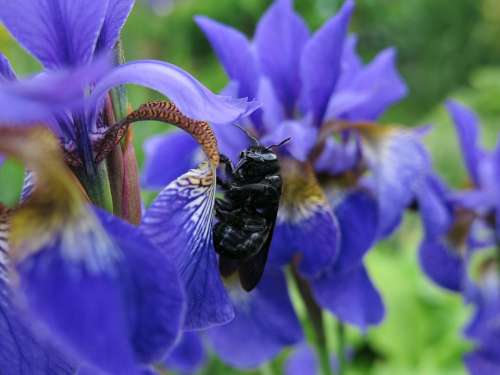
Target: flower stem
point(341, 347)
point(315, 315)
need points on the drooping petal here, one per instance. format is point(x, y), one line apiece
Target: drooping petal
point(351, 63)
point(188, 355)
point(306, 226)
point(350, 296)
point(399, 164)
point(189, 95)
point(116, 15)
point(167, 157)
point(279, 39)
point(467, 127)
point(442, 264)
point(371, 91)
point(264, 324)
point(6, 71)
point(84, 275)
point(179, 223)
point(357, 215)
point(57, 32)
point(21, 352)
point(321, 62)
point(234, 53)
point(303, 138)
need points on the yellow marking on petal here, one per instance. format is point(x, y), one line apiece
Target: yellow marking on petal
point(302, 193)
point(57, 199)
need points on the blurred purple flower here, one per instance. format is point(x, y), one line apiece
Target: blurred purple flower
point(102, 290)
point(308, 85)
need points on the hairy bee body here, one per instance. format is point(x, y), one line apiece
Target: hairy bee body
point(247, 213)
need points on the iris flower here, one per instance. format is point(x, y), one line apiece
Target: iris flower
point(460, 252)
point(341, 193)
point(94, 284)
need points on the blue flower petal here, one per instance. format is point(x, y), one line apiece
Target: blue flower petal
point(467, 127)
point(188, 355)
point(480, 362)
point(167, 157)
point(21, 352)
point(351, 296)
point(179, 223)
point(59, 32)
point(442, 264)
point(321, 62)
point(314, 239)
point(189, 95)
point(273, 111)
point(280, 38)
point(400, 165)
point(338, 157)
point(302, 361)
point(371, 91)
point(116, 15)
point(234, 53)
point(6, 71)
point(357, 215)
point(231, 140)
point(264, 324)
point(101, 297)
point(303, 138)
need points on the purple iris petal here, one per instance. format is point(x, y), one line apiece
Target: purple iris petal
point(192, 98)
point(399, 163)
point(357, 215)
point(21, 352)
point(179, 223)
point(338, 157)
point(321, 62)
point(280, 38)
point(433, 209)
point(167, 157)
point(38, 98)
point(351, 296)
point(273, 111)
point(234, 53)
point(481, 362)
point(302, 361)
point(351, 63)
point(116, 15)
point(264, 324)
point(188, 355)
point(231, 140)
point(303, 138)
point(104, 300)
point(6, 71)
point(371, 91)
point(442, 264)
point(466, 125)
point(315, 238)
point(57, 32)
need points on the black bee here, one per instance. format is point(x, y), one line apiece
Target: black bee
point(247, 212)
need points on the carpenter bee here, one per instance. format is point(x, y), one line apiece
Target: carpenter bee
point(247, 212)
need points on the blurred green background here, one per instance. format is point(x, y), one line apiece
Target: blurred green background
point(446, 49)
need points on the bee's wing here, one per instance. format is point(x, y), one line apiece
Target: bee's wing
point(251, 270)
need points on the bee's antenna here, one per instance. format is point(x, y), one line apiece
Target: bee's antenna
point(255, 141)
point(283, 142)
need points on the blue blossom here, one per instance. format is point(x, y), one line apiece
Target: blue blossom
point(311, 87)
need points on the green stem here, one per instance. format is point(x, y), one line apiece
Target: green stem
point(315, 315)
point(341, 347)
point(97, 187)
